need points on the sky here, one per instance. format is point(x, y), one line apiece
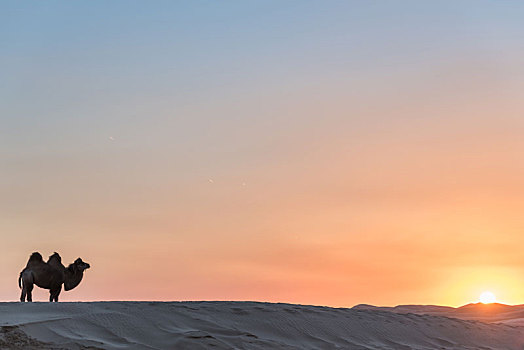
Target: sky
point(314, 152)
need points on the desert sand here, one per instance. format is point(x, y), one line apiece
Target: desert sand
point(244, 325)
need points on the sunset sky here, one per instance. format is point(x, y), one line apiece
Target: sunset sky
point(314, 152)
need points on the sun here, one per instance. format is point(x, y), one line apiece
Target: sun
point(487, 298)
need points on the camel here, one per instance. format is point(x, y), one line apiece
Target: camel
point(50, 275)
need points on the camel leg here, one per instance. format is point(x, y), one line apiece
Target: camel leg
point(57, 294)
point(24, 293)
point(53, 294)
point(27, 287)
point(30, 292)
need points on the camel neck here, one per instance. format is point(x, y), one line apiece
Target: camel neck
point(72, 279)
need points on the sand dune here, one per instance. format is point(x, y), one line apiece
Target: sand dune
point(510, 314)
point(239, 325)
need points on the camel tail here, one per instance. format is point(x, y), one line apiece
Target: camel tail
point(20, 280)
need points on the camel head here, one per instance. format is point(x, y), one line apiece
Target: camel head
point(74, 273)
point(81, 265)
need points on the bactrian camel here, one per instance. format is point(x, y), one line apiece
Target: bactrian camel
point(50, 275)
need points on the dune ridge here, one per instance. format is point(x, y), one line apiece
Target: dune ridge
point(495, 312)
point(240, 325)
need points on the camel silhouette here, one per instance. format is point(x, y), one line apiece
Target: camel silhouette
point(50, 275)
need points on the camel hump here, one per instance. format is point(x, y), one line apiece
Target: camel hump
point(36, 257)
point(55, 256)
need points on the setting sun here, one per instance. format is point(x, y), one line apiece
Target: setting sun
point(487, 298)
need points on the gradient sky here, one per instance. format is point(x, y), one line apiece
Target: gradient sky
point(317, 152)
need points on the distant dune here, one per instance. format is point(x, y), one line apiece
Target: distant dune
point(247, 325)
point(501, 313)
